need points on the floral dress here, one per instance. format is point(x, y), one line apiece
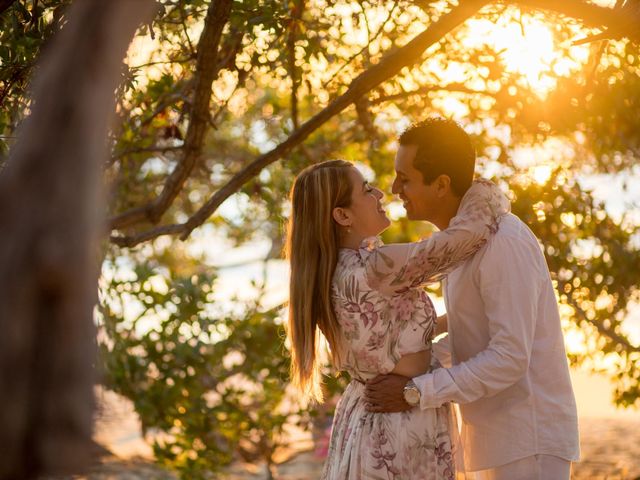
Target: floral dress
point(384, 314)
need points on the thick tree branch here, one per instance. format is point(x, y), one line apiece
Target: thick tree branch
point(618, 20)
point(389, 66)
point(133, 240)
point(206, 72)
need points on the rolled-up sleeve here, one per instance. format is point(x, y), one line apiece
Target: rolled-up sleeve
point(441, 349)
point(510, 283)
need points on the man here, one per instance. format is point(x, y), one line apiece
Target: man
point(509, 370)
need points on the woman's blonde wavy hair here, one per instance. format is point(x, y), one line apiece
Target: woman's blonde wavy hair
point(312, 249)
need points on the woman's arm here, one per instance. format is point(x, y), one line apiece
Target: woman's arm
point(394, 268)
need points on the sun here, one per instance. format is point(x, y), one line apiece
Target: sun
point(526, 45)
point(528, 54)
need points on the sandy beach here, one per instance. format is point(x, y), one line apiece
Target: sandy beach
point(609, 439)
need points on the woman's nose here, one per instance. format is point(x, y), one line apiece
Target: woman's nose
point(394, 186)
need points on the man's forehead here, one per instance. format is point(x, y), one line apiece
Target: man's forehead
point(405, 156)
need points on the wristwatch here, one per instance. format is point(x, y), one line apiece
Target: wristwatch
point(411, 393)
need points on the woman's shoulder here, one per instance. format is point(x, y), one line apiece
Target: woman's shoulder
point(348, 263)
point(351, 266)
point(351, 258)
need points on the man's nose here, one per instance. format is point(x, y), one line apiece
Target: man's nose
point(394, 186)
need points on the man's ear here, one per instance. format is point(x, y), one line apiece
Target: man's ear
point(443, 185)
point(341, 216)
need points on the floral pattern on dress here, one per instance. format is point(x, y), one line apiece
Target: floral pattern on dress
point(384, 314)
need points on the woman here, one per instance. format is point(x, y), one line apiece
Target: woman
point(367, 301)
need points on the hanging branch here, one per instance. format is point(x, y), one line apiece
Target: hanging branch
point(452, 87)
point(296, 15)
point(388, 67)
point(612, 335)
point(242, 74)
point(206, 72)
point(366, 118)
point(228, 54)
point(363, 49)
point(185, 30)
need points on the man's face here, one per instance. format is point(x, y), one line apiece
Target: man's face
point(419, 199)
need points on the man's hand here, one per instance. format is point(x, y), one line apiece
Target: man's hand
point(385, 394)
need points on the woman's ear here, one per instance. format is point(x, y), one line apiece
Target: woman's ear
point(341, 216)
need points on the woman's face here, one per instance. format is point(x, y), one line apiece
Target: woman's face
point(366, 214)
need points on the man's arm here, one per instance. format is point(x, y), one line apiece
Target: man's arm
point(510, 280)
point(441, 325)
point(391, 398)
point(441, 351)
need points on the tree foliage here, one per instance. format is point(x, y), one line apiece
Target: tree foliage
point(234, 98)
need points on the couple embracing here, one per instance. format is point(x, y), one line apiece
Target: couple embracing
point(503, 361)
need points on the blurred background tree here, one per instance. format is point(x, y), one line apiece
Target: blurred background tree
point(221, 103)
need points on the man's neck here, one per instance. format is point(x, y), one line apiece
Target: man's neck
point(448, 210)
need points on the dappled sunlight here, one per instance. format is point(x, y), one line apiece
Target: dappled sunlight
point(542, 173)
point(453, 106)
point(574, 340)
point(538, 163)
point(631, 324)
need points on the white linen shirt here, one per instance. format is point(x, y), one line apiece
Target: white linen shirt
point(508, 368)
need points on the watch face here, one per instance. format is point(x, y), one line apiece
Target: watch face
point(412, 396)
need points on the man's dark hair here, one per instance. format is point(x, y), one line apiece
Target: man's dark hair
point(444, 148)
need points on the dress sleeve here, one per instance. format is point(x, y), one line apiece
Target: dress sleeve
point(392, 269)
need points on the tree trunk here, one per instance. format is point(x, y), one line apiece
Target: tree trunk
point(51, 217)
